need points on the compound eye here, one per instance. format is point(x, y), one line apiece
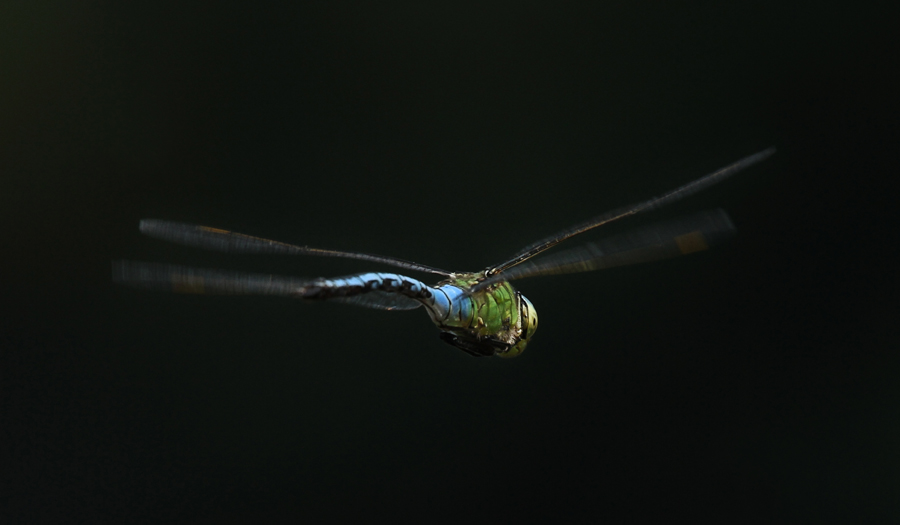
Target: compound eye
point(529, 318)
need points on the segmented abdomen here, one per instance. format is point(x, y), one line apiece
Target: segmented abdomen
point(446, 304)
point(367, 282)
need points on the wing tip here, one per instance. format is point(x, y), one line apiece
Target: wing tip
point(131, 273)
point(149, 226)
point(762, 155)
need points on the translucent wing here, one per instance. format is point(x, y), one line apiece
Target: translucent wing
point(659, 241)
point(185, 279)
point(380, 301)
point(688, 189)
point(226, 241)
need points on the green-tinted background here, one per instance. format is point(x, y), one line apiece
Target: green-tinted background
point(757, 380)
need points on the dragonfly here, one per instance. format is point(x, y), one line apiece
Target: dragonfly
point(478, 312)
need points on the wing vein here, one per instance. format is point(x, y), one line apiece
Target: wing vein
point(663, 240)
point(208, 238)
point(620, 213)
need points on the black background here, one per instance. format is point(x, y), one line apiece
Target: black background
point(756, 381)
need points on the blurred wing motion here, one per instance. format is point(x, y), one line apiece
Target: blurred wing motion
point(380, 301)
point(663, 240)
point(226, 241)
point(185, 279)
point(672, 196)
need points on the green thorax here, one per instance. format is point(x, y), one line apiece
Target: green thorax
point(491, 313)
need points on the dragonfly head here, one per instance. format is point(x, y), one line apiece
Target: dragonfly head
point(528, 315)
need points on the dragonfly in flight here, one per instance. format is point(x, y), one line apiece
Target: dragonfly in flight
point(478, 312)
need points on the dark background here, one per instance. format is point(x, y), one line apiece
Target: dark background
point(757, 381)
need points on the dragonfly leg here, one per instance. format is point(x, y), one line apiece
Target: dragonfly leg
point(483, 348)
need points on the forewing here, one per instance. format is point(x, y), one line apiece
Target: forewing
point(226, 241)
point(606, 218)
point(663, 240)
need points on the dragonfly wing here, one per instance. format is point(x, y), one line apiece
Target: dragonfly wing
point(663, 240)
point(226, 241)
point(380, 301)
point(185, 279)
point(672, 196)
